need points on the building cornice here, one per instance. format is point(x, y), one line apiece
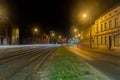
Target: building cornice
point(112, 30)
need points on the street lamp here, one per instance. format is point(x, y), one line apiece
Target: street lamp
point(60, 37)
point(52, 37)
point(36, 30)
point(78, 35)
point(35, 35)
point(75, 30)
point(84, 16)
point(53, 34)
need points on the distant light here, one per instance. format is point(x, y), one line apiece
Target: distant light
point(79, 35)
point(60, 36)
point(35, 29)
point(84, 15)
point(76, 36)
point(75, 30)
point(53, 34)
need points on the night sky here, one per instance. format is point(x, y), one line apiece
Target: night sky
point(57, 15)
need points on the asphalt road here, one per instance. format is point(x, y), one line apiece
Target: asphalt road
point(108, 65)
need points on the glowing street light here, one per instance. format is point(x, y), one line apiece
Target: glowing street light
point(76, 36)
point(53, 34)
point(84, 15)
point(79, 35)
point(36, 30)
point(75, 30)
point(60, 37)
point(35, 33)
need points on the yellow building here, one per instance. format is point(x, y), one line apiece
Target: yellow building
point(4, 35)
point(8, 33)
point(107, 30)
point(4, 24)
point(15, 35)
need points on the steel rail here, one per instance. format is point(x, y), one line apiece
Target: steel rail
point(8, 74)
point(9, 58)
point(39, 65)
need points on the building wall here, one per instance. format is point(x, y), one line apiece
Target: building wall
point(4, 24)
point(14, 35)
point(107, 30)
point(4, 35)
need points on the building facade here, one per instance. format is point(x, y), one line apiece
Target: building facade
point(9, 34)
point(105, 33)
point(107, 30)
point(15, 35)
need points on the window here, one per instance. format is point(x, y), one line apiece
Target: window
point(109, 14)
point(116, 40)
point(101, 40)
point(105, 25)
point(101, 27)
point(116, 22)
point(115, 11)
point(110, 24)
point(105, 39)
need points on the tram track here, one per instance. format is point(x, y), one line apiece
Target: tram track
point(20, 54)
point(39, 65)
point(29, 56)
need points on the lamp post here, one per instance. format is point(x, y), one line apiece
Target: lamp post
point(53, 34)
point(75, 32)
point(35, 30)
point(35, 33)
point(4, 27)
point(52, 37)
point(89, 17)
point(59, 39)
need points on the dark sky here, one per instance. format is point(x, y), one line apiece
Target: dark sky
point(58, 15)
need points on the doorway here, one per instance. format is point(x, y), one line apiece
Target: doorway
point(110, 42)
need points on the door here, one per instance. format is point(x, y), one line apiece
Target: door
point(110, 42)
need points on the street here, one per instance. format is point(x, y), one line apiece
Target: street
point(108, 65)
point(26, 62)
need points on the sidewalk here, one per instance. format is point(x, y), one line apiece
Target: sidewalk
point(102, 51)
